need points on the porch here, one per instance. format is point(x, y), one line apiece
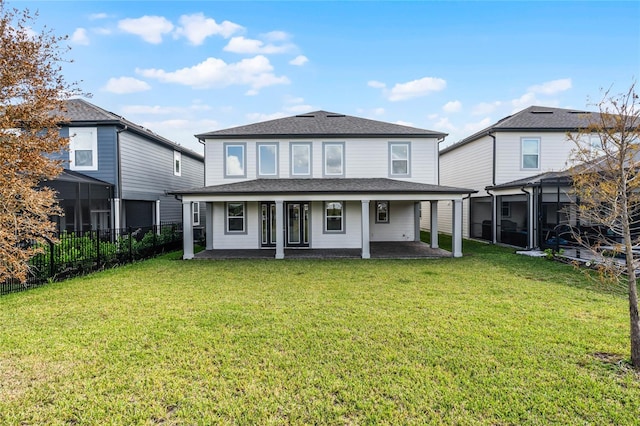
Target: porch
point(378, 250)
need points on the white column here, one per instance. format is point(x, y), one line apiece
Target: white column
point(187, 230)
point(366, 252)
point(456, 244)
point(157, 218)
point(434, 224)
point(279, 229)
point(208, 225)
point(117, 208)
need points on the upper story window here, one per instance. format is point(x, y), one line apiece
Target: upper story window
point(235, 160)
point(300, 159)
point(399, 159)
point(530, 153)
point(333, 153)
point(83, 148)
point(267, 159)
point(177, 163)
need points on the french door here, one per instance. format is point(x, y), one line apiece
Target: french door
point(296, 221)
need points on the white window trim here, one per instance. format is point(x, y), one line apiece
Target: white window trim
point(226, 147)
point(292, 146)
point(342, 219)
point(522, 154)
point(325, 145)
point(408, 145)
point(177, 163)
point(73, 131)
point(244, 219)
point(259, 163)
point(195, 211)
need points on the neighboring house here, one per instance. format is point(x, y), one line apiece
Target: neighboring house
point(506, 163)
point(138, 165)
point(318, 180)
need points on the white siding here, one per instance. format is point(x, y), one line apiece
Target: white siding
point(364, 158)
point(400, 226)
point(555, 150)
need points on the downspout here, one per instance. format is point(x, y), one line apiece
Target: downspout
point(494, 207)
point(118, 200)
point(204, 183)
point(438, 160)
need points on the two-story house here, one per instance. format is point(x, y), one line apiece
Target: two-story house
point(318, 180)
point(118, 173)
point(512, 165)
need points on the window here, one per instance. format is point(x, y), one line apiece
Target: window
point(334, 217)
point(234, 160)
point(267, 159)
point(177, 163)
point(333, 159)
point(195, 208)
point(530, 153)
point(399, 159)
point(83, 148)
point(235, 218)
point(382, 212)
point(506, 209)
point(595, 142)
point(300, 159)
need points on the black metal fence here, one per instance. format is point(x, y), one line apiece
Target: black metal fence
point(78, 253)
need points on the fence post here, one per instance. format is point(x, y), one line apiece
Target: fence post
point(130, 246)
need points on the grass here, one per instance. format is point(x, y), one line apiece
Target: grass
point(491, 338)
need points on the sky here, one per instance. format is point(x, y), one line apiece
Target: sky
point(181, 68)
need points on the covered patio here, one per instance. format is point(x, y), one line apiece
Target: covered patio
point(378, 250)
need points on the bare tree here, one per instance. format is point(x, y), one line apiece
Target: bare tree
point(32, 95)
point(606, 181)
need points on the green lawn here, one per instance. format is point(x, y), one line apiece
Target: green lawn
point(491, 338)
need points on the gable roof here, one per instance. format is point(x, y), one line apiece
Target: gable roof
point(81, 112)
point(534, 118)
point(320, 124)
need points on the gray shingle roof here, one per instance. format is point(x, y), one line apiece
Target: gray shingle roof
point(332, 186)
point(320, 124)
point(535, 118)
point(81, 112)
point(550, 177)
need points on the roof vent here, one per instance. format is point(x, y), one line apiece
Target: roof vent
point(541, 112)
point(578, 112)
point(335, 115)
point(306, 116)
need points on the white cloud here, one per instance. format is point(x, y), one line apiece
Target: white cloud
point(181, 130)
point(404, 123)
point(376, 84)
point(479, 125)
point(444, 125)
point(298, 109)
point(254, 72)
point(150, 28)
point(299, 60)
point(416, 88)
point(551, 87)
point(378, 111)
point(251, 46)
point(452, 106)
point(80, 37)
point(97, 16)
point(255, 117)
point(276, 36)
point(124, 85)
point(197, 27)
point(485, 108)
point(101, 31)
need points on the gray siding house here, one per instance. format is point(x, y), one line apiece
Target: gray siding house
point(319, 180)
point(137, 165)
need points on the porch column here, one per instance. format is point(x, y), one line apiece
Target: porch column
point(279, 229)
point(366, 253)
point(157, 219)
point(434, 224)
point(456, 244)
point(187, 230)
point(208, 225)
point(117, 208)
point(416, 220)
